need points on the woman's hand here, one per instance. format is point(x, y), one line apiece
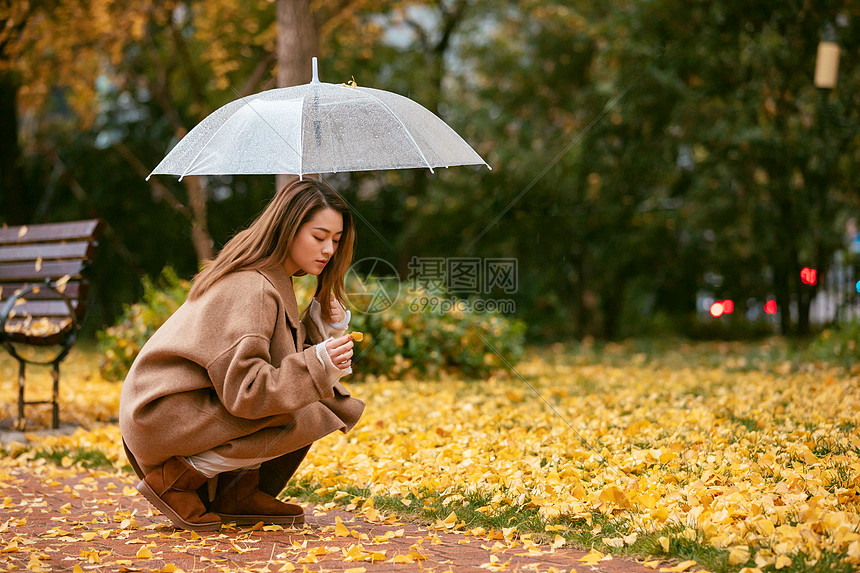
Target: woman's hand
point(340, 351)
point(337, 312)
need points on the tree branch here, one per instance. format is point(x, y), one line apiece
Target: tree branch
point(450, 20)
point(160, 89)
point(159, 191)
point(81, 195)
point(419, 31)
point(188, 65)
point(251, 84)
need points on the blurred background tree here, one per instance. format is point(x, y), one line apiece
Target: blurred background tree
point(643, 152)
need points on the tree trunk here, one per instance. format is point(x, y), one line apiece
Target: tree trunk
point(611, 305)
point(200, 237)
point(410, 237)
point(804, 302)
point(298, 42)
point(199, 226)
point(13, 202)
point(782, 294)
point(577, 293)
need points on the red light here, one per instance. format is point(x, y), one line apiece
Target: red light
point(717, 309)
point(728, 307)
point(770, 307)
point(808, 276)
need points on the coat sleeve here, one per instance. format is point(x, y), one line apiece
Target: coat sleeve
point(247, 382)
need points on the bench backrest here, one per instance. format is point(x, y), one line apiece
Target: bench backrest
point(37, 257)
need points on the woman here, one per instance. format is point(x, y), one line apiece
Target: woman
point(223, 402)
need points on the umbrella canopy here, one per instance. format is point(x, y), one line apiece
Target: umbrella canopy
point(317, 128)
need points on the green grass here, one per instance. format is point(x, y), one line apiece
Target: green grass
point(773, 354)
point(90, 459)
point(86, 458)
point(580, 533)
point(430, 507)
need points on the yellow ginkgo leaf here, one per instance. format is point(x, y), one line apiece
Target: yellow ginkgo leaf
point(592, 557)
point(61, 283)
point(614, 495)
point(144, 553)
point(739, 554)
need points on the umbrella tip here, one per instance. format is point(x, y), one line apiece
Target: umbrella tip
point(314, 76)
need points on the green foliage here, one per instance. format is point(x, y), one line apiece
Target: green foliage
point(428, 334)
point(409, 337)
point(737, 329)
point(121, 343)
point(664, 142)
point(837, 345)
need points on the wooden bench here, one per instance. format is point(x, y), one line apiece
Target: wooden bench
point(43, 295)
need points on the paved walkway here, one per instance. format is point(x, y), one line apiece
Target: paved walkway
point(69, 519)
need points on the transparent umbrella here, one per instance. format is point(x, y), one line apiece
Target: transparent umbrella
point(317, 128)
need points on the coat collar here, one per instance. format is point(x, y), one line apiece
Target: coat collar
point(283, 283)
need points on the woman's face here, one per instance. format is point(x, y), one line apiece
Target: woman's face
point(315, 243)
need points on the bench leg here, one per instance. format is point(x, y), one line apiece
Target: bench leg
point(21, 377)
point(55, 398)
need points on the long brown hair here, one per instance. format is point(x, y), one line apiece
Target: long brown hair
point(269, 239)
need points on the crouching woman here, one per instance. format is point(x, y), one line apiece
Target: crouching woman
point(225, 399)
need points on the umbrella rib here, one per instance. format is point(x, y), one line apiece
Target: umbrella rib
point(246, 101)
point(302, 135)
point(202, 147)
point(403, 125)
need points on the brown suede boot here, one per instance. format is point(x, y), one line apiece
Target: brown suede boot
point(276, 473)
point(239, 500)
point(172, 488)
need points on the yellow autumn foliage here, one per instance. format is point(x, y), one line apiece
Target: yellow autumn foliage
point(69, 44)
point(744, 458)
point(76, 45)
point(755, 462)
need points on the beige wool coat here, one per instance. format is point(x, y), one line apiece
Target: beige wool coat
point(235, 371)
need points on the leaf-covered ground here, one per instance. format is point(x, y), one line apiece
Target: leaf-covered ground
point(721, 457)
